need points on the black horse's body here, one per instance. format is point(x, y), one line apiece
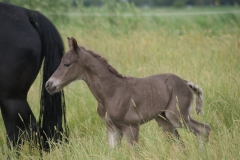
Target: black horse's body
point(26, 38)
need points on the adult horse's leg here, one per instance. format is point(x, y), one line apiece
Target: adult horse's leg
point(19, 120)
point(20, 52)
point(28, 37)
point(20, 70)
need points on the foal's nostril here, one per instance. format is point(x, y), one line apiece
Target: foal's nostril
point(48, 84)
point(50, 87)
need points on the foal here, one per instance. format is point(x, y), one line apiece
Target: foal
point(125, 103)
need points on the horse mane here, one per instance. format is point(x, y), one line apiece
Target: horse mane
point(104, 60)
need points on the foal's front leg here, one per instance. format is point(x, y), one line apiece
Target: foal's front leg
point(131, 133)
point(114, 136)
point(113, 133)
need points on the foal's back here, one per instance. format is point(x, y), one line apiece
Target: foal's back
point(160, 85)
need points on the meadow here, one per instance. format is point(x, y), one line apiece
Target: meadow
point(204, 49)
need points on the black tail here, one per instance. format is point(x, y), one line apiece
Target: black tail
point(52, 119)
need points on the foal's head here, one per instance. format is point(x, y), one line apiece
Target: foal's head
point(70, 69)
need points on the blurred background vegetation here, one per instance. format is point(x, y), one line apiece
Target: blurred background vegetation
point(65, 5)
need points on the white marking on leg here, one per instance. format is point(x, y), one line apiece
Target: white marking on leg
point(112, 139)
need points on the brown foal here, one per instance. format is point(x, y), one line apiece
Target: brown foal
point(125, 103)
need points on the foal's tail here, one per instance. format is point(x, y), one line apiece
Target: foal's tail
point(199, 99)
point(52, 118)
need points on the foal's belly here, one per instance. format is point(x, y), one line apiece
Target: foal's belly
point(142, 113)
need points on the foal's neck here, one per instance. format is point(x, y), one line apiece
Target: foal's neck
point(101, 81)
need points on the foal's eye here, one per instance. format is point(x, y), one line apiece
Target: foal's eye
point(67, 64)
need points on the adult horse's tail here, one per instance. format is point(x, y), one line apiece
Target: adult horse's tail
point(52, 119)
point(199, 99)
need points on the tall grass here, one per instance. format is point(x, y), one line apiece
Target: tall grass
point(203, 49)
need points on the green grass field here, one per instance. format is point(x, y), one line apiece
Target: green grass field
point(204, 49)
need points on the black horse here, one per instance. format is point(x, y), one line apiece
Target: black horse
point(26, 39)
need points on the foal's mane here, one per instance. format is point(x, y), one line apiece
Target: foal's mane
point(104, 60)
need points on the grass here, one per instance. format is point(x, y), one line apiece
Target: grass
point(203, 49)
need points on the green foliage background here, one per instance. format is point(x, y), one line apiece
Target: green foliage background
point(65, 5)
point(47, 5)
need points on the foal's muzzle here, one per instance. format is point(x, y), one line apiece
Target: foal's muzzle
point(50, 88)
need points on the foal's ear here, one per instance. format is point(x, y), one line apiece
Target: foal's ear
point(72, 43)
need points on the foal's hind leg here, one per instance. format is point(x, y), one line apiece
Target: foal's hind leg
point(167, 126)
point(198, 128)
point(178, 114)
